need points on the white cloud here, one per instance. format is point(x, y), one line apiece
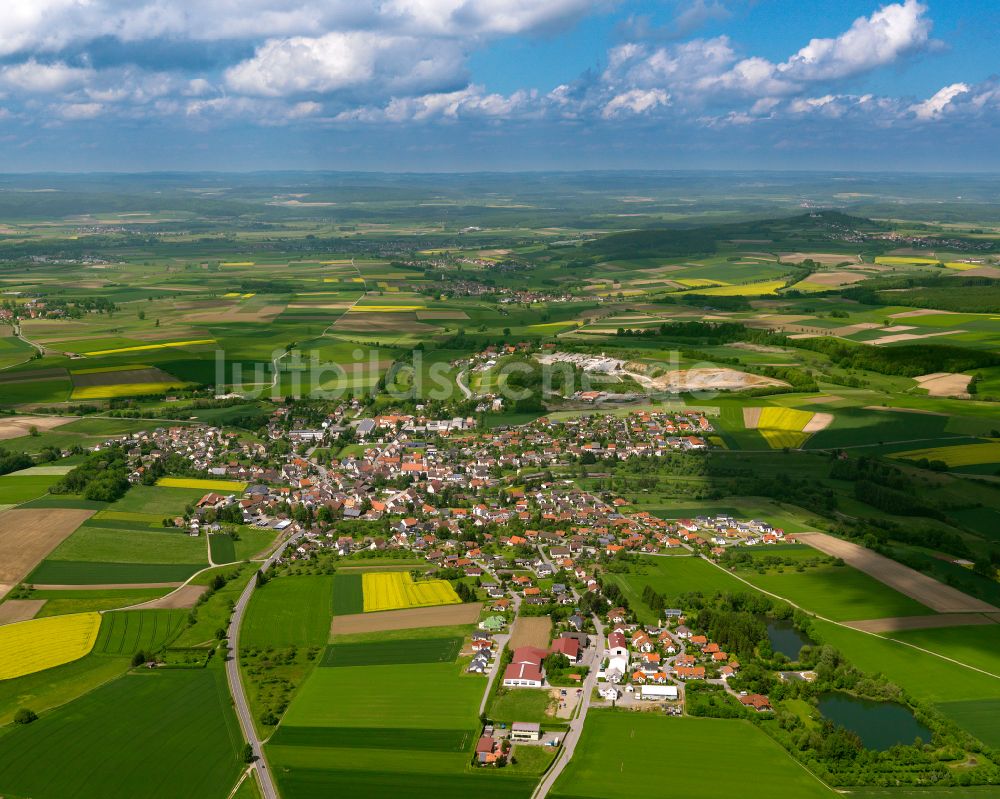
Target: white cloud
point(934, 107)
point(34, 77)
point(635, 101)
point(337, 62)
point(702, 71)
point(75, 111)
point(49, 25)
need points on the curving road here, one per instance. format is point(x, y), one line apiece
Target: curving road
point(236, 679)
point(461, 385)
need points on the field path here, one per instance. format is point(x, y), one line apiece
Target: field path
point(925, 590)
point(847, 626)
point(901, 623)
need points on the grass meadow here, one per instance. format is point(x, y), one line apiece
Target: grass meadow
point(837, 592)
point(614, 760)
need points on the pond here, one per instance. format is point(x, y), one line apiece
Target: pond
point(785, 639)
point(880, 725)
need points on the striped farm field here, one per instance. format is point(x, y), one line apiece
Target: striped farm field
point(904, 259)
point(207, 485)
point(124, 390)
point(98, 370)
point(145, 347)
point(39, 644)
point(959, 455)
point(701, 282)
point(396, 590)
point(386, 308)
point(743, 290)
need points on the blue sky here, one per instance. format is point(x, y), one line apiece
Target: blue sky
point(439, 85)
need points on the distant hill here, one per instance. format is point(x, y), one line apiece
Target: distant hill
point(827, 229)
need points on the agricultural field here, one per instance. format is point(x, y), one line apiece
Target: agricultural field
point(671, 577)
point(847, 361)
point(612, 759)
point(839, 593)
point(415, 732)
point(30, 646)
point(126, 632)
point(121, 758)
point(218, 486)
point(398, 590)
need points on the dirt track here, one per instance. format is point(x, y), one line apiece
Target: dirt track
point(184, 597)
point(901, 623)
point(409, 619)
point(531, 631)
point(937, 596)
point(27, 535)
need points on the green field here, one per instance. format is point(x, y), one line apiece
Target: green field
point(289, 611)
point(612, 760)
point(400, 651)
point(57, 686)
point(417, 696)
point(81, 601)
point(837, 592)
point(382, 730)
point(671, 577)
point(977, 645)
point(925, 676)
point(71, 572)
point(510, 705)
point(93, 543)
point(162, 500)
point(108, 734)
point(222, 547)
point(348, 594)
point(126, 632)
point(16, 488)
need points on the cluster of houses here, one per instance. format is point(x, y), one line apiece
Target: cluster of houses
point(639, 655)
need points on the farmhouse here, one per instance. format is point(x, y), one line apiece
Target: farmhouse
point(525, 670)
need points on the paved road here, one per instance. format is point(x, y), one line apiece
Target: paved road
point(459, 378)
point(572, 738)
point(236, 679)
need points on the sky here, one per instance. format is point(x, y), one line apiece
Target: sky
point(480, 85)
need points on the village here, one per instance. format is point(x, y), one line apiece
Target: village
point(480, 504)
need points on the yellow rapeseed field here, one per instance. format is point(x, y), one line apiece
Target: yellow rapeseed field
point(207, 485)
point(701, 282)
point(30, 646)
point(124, 390)
point(386, 308)
point(153, 346)
point(397, 590)
point(743, 290)
point(904, 259)
point(782, 427)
